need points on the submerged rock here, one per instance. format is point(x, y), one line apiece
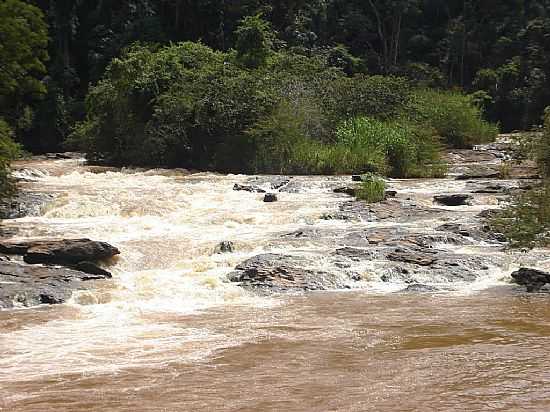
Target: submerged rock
point(279, 273)
point(346, 190)
point(533, 279)
point(63, 252)
point(24, 285)
point(455, 199)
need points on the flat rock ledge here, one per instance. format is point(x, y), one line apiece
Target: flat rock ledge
point(24, 285)
point(70, 262)
point(284, 273)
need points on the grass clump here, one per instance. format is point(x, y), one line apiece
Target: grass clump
point(372, 188)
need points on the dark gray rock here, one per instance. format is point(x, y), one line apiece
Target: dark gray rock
point(533, 279)
point(280, 273)
point(390, 193)
point(455, 199)
point(92, 269)
point(63, 252)
point(246, 188)
point(270, 198)
point(225, 247)
point(24, 285)
point(346, 190)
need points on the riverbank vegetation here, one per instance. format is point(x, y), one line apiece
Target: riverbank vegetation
point(280, 87)
point(526, 221)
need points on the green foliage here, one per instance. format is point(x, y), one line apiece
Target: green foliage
point(526, 221)
point(23, 50)
point(254, 41)
point(372, 189)
point(542, 147)
point(400, 149)
point(453, 115)
point(8, 151)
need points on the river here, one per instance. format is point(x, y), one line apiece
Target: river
point(169, 332)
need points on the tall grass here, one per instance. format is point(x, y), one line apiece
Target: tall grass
point(372, 189)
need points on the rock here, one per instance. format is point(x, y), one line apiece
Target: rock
point(479, 173)
point(493, 188)
point(455, 228)
point(457, 199)
point(280, 273)
point(24, 204)
point(420, 288)
point(409, 256)
point(351, 191)
point(270, 197)
point(246, 188)
point(63, 252)
point(533, 279)
point(24, 285)
point(92, 269)
point(225, 247)
point(390, 193)
point(357, 178)
point(354, 253)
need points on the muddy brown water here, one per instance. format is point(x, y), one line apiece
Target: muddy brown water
point(169, 333)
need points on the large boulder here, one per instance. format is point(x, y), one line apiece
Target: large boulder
point(24, 285)
point(533, 279)
point(63, 252)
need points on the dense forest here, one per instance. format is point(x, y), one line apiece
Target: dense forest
point(314, 84)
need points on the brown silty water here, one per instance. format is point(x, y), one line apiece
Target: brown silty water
point(170, 332)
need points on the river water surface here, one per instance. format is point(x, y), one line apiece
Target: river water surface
point(170, 333)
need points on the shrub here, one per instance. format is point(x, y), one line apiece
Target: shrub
point(399, 149)
point(526, 221)
point(372, 189)
point(453, 115)
point(8, 151)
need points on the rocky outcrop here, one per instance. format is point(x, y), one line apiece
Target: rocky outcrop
point(532, 279)
point(454, 199)
point(281, 273)
point(414, 257)
point(25, 285)
point(62, 252)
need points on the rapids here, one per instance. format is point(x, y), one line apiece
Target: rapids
point(169, 332)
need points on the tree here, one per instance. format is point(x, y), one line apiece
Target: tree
point(254, 41)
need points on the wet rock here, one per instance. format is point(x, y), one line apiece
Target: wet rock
point(346, 190)
point(390, 193)
point(225, 247)
point(247, 188)
point(64, 252)
point(270, 198)
point(455, 199)
point(24, 204)
point(274, 182)
point(410, 256)
point(357, 178)
point(420, 288)
point(355, 254)
point(491, 188)
point(479, 173)
point(92, 269)
point(279, 273)
point(24, 285)
point(455, 228)
point(533, 279)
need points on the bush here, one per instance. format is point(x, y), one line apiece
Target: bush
point(8, 152)
point(399, 149)
point(372, 189)
point(453, 115)
point(526, 221)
